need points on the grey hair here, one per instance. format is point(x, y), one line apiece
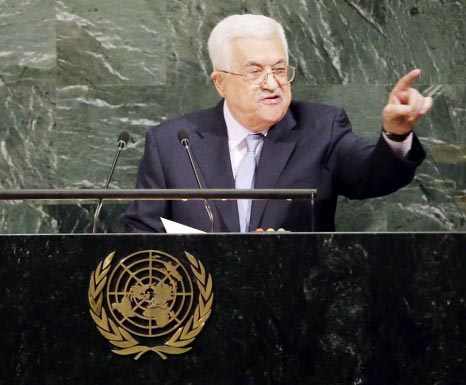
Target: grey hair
point(237, 26)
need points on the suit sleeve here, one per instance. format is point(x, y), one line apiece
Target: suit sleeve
point(365, 170)
point(144, 216)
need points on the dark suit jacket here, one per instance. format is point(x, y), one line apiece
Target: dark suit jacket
point(312, 147)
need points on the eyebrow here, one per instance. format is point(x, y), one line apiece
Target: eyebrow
point(253, 63)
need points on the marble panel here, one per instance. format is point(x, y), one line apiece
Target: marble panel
point(28, 157)
point(27, 41)
point(27, 218)
point(75, 73)
point(111, 42)
point(90, 120)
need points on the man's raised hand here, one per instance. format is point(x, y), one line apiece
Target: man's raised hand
point(405, 105)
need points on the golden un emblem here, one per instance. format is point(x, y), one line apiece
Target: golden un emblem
point(146, 302)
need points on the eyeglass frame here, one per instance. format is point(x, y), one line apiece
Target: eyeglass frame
point(267, 73)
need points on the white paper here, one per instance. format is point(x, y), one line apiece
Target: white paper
point(172, 227)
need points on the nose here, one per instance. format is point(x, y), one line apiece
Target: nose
point(270, 83)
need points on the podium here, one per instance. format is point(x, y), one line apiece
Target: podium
point(287, 309)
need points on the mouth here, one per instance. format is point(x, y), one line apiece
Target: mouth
point(272, 99)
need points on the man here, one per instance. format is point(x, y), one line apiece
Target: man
point(300, 145)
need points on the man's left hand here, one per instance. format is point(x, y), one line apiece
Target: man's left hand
point(405, 105)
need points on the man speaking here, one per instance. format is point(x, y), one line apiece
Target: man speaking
point(258, 137)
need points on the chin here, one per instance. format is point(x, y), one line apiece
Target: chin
point(273, 116)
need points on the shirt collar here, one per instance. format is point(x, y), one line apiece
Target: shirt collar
point(236, 132)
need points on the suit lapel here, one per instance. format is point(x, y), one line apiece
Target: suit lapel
point(278, 146)
point(210, 149)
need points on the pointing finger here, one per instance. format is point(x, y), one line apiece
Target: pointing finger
point(406, 81)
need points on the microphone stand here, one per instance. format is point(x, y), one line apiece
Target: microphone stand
point(185, 144)
point(121, 145)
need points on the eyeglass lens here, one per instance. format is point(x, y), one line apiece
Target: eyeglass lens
point(282, 75)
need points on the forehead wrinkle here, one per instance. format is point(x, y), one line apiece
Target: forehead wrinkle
point(254, 63)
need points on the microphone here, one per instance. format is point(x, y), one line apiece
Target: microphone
point(183, 137)
point(122, 142)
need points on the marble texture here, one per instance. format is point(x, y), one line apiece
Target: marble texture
point(75, 73)
point(111, 43)
point(316, 309)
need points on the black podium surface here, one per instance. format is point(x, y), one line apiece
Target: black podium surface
point(287, 309)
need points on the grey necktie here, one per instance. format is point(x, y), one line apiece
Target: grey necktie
point(245, 179)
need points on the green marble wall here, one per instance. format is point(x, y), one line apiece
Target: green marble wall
point(75, 73)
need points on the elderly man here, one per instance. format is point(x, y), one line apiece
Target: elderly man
point(258, 137)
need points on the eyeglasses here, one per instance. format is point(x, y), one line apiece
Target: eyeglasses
point(257, 78)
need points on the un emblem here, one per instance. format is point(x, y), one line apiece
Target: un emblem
point(146, 302)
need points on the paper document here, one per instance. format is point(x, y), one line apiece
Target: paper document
point(172, 227)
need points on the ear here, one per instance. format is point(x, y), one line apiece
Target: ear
point(219, 81)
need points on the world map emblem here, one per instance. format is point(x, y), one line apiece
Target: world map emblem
point(148, 302)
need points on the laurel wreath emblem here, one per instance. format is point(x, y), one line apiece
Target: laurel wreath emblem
point(124, 342)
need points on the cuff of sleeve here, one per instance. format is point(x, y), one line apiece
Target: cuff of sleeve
point(401, 149)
